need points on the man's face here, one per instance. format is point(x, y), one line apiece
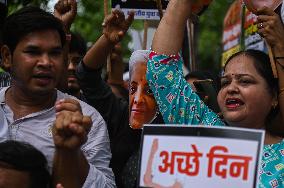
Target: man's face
point(10, 178)
point(73, 60)
point(37, 62)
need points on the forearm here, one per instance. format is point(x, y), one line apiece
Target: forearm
point(97, 55)
point(178, 104)
point(70, 168)
point(63, 83)
point(115, 76)
point(169, 35)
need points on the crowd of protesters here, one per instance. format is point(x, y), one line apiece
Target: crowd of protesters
point(62, 125)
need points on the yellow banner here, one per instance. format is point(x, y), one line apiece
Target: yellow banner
point(229, 53)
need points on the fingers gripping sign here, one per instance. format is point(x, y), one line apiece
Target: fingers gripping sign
point(115, 25)
point(71, 127)
point(271, 28)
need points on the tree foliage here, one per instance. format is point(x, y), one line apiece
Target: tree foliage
point(16, 4)
point(210, 35)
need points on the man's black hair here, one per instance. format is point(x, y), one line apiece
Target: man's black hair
point(24, 157)
point(77, 44)
point(27, 20)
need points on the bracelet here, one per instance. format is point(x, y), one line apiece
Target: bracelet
point(174, 56)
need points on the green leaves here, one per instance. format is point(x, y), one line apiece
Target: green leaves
point(210, 35)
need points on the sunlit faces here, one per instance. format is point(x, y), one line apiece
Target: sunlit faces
point(37, 62)
point(73, 60)
point(142, 102)
point(244, 98)
point(10, 178)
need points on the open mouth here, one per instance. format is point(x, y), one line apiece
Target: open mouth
point(43, 78)
point(233, 103)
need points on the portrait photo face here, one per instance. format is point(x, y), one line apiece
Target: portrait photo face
point(142, 102)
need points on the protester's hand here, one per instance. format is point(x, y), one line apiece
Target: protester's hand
point(271, 28)
point(115, 25)
point(71, 127)
point(66, 11)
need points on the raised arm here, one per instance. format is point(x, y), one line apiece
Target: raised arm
point(70, 131)
point(115, 27)
point(99, 95)
point(96, 91)
point(177, 102)
point(169, 35)
point(272, 29)
point(116, 74)
point(66, 11)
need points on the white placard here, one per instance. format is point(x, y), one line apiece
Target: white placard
point(211, 160)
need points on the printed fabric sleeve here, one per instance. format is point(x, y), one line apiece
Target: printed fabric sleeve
point(97, 152)
point(175, 98)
